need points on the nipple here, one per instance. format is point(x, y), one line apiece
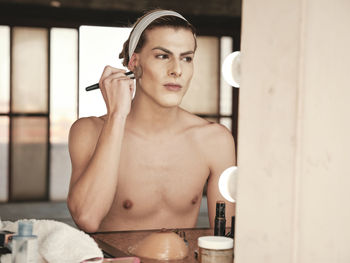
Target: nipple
point(127, 204)
point(194, 200)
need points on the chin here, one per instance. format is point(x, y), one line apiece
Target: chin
point(171, 101)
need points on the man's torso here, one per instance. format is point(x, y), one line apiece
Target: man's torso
point(160, 182)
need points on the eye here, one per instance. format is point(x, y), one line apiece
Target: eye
point(162, 56)
point(187, 59)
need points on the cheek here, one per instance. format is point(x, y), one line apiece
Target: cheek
point(150, 69)
point(150, 76)
point(188, 68)
point(189, 73)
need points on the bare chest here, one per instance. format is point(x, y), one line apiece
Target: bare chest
point(164, 174)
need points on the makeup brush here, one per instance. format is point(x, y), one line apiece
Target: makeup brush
point(96, 86)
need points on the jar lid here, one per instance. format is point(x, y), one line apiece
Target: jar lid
point(215, 242)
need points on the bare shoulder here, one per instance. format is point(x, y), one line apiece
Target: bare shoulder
point(86, 125)
point(213, 140)
point(207, 132)
point(84, 133)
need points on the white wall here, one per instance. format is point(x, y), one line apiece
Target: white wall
point(294, 125)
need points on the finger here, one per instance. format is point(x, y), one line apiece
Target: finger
point(132, 89)
point(114, 78)
point(125, 83)
point(119, 75)
point(109, 70)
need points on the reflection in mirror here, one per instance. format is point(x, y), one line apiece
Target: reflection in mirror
point(203, 93)
point(4, 144)
point(226, 44)
point(4, 108)
point(29, 87)
point(201, 98)
point(227, 122)
point(98, 47)
point(4, 69)
point(29, 158)
point(63, 106)
point(231, 69)
point(228, 184)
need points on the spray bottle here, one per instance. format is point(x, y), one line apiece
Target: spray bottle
point(24, 244)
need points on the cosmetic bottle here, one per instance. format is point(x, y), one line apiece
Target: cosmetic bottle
point(24, 244)
point(220, 220)
point(233, 220)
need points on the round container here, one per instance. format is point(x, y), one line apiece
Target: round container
point(214, 249)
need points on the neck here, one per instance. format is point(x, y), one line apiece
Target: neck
point(150, 118)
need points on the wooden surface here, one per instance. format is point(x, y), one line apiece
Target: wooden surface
point(117, 243)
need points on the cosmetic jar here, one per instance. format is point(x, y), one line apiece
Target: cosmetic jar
point(214, 249)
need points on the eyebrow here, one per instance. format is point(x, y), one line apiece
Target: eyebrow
point(169, 52)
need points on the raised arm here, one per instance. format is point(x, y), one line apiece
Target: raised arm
point(221, 151)
point(95, 146)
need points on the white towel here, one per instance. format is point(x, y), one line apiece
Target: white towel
point(57, 242)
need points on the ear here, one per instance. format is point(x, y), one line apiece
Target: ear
point(133, 62)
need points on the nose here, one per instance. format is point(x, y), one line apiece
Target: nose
point(175, 69)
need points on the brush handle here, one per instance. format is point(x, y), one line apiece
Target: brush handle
point(97, 86)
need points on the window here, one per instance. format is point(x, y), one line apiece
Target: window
point(63, 106)
point(4, 109)
point(209, 96)
point(98, 47)
point(38, 104)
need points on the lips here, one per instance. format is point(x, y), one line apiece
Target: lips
point(173, 86)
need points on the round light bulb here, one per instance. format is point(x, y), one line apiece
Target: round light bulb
point(231, 69)
point(228, 183)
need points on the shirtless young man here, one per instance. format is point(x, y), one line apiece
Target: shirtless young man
point(144, 164)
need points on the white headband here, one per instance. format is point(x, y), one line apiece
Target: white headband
point(144, 22)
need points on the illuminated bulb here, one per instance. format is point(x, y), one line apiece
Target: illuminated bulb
point(231, 69)
point(228, 183)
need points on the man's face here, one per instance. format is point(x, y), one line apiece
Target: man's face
point(167, 64)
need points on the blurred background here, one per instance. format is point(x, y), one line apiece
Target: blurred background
point(51, 50)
